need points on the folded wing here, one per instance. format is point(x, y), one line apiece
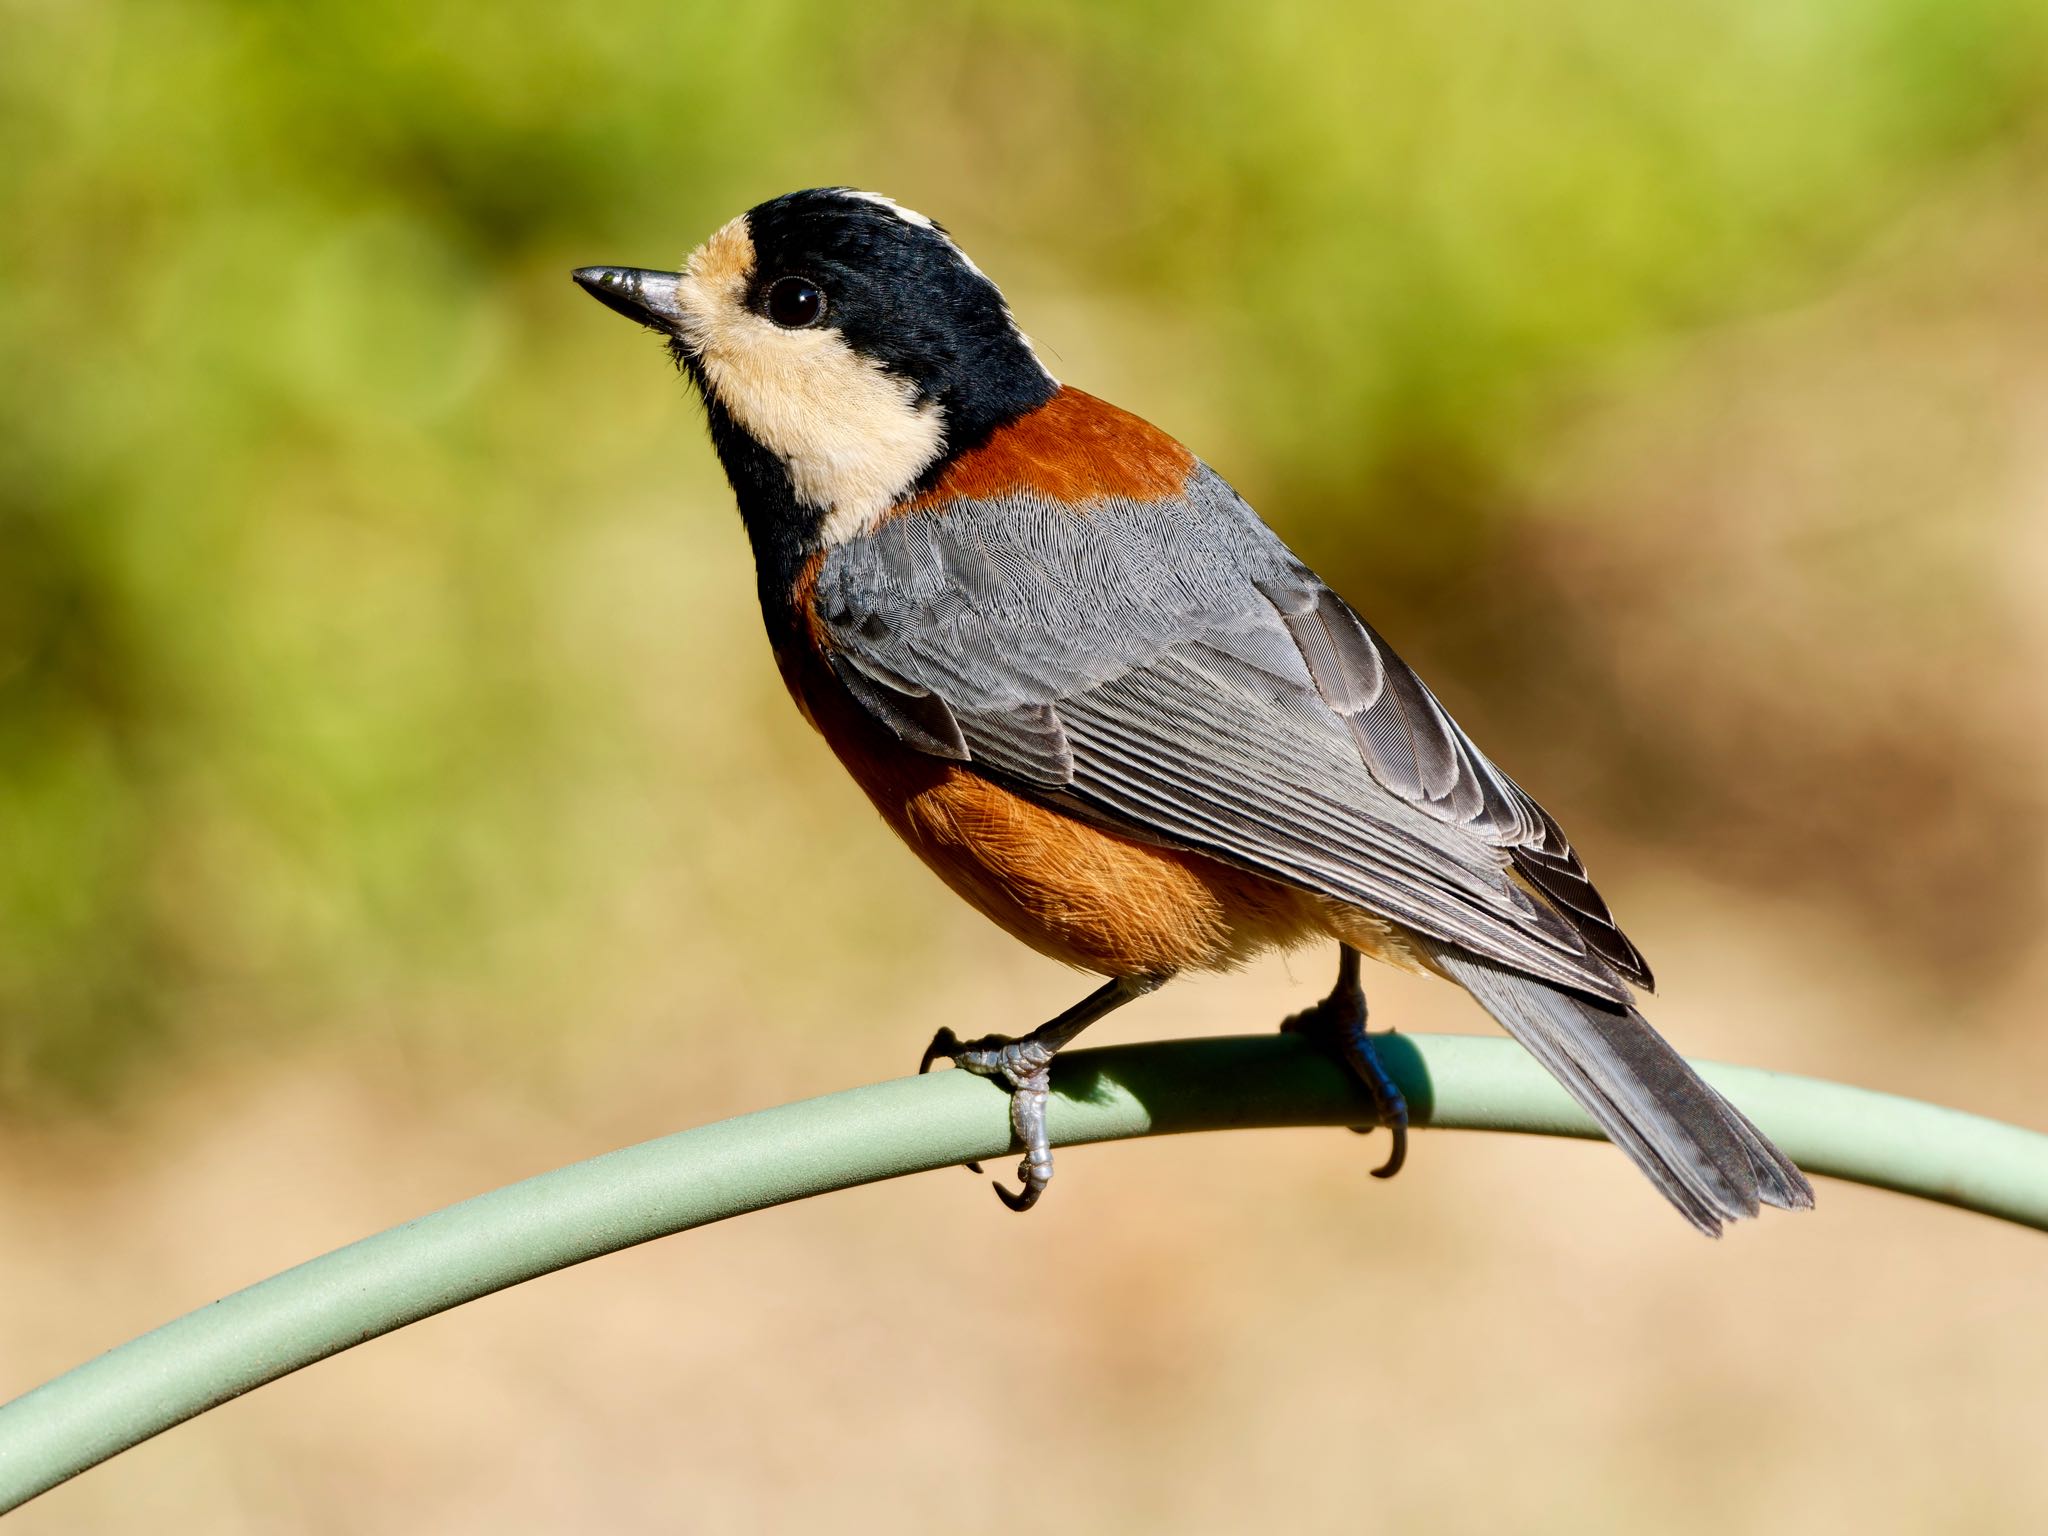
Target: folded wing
point(1171, 669)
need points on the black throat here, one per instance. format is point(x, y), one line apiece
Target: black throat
point(783, 531)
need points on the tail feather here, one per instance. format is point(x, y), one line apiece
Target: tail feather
point(1698, 1149)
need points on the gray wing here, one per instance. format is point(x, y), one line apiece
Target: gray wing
point(1171, 669)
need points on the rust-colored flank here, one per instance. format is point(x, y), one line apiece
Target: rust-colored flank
point(1083, 894)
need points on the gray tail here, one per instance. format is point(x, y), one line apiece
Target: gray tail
point(1694, 1145)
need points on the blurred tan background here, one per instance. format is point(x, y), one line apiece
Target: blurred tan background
point(396, 797)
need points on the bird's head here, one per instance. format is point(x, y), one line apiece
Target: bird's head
point(845, 348)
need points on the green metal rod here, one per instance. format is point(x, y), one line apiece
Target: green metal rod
point(907, 1126)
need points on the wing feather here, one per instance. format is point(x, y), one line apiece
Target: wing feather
point(1171, 669)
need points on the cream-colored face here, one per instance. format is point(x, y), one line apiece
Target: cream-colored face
point(854, 437)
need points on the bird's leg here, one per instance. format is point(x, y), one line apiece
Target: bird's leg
point(1023, 1066)
point(1337, 1025)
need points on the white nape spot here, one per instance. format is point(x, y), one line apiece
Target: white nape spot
point(913, 217)
point(1031, 347)
point(907, 215)
point(853, 436)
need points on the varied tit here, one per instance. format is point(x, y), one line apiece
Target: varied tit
point(1106, 705)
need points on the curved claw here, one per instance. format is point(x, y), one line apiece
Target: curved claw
point(944, 1044)
point(1399, 1154)
point(1337, 1025)
point(1027, 1197)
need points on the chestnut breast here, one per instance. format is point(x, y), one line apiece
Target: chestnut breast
point(1089, 897)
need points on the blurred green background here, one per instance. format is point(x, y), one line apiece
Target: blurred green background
point(309, 689)
point(381, 694)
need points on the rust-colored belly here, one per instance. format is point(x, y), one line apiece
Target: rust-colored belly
point(1084, 895)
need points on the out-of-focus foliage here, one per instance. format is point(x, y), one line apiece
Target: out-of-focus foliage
point(322, 492)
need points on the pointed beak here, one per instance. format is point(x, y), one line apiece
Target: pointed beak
point(636, 293)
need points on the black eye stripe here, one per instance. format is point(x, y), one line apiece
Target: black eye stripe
point(794, 302)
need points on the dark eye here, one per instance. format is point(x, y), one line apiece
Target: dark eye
point(795, 302)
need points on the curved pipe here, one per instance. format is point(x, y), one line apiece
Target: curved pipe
point(528, 1229)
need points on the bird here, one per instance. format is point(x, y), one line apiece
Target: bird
point(1104, 702)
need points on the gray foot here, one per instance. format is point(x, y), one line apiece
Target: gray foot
point(1337, 1025)
point(1024, 1067)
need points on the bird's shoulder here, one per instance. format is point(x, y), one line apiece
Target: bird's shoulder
point(1075, 448)
point(1079, 530)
